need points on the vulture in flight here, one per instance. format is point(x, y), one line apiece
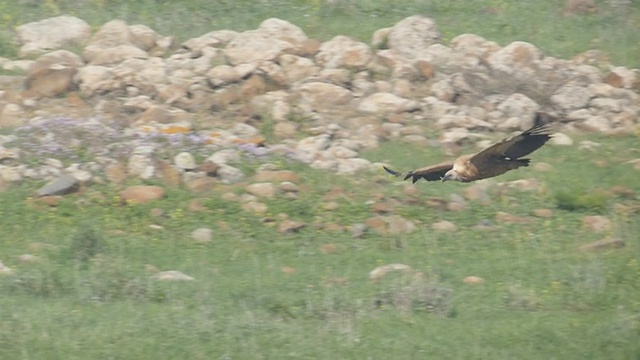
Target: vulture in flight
point(495, 160)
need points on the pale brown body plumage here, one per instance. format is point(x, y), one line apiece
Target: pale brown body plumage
point(495, 160)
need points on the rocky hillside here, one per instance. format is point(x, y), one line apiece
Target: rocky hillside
point(134, 103)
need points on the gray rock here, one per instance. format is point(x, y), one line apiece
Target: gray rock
point(224, 156)
point(63, 185)
point(229, 174)
point(172, 275)
point(319, 96)
point(413, 35)
point(570, 97)
point(352, 166)
point(343, 52)
point(520, 107)
point(10, 174)
point(297, 68)
point(142, 166)
point(261, 190)
point(12, 115)
point(561, 139)
point(202, 235)
point(185, 161)
point(386, 103)
point(52, 33)
point(273, 38)
point(52, 73)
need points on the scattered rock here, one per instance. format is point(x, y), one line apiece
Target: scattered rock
point(382, 208)
point(473, 280)
point(169, 174)
point(328, 248)
point(513, 219)
point(185, 161)
point(276, 176)
point(63, 185)
point(49, 200)
point(208, 167)
point(291, 226)
point(390, 225)
point(28, 259)
point(5, 270)
point(603, 244)
point(288, 187)
point(381, 271)
point(171, 275)
point(196, 205)
point(560, 139)
point(623, 191)
point(477, 192)
point(523, 185)
point(261, 190)
point(202, 235)
point(543, 213)
point(288, 270)
point(255, 207)
point(12, 115)
point(116, 173)
point(202, 185)
point(444, 226)
point(543, 166)
point(141, 194)
point(358, 230)
point(596, 223)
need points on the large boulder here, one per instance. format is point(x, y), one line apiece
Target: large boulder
point(113, 43)
point(273, 38)
point(413, 35)
point(319, 96)
point(342, 51)
point(50, 34)
point(518, 58)
point(52, 74)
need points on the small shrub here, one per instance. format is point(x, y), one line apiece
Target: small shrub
point(412, 294)
point(112, 280)
point(519, 298)
point(86, 243)
point(580, 200)
point(40, 280)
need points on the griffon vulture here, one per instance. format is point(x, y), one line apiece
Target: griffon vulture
point(495, 160)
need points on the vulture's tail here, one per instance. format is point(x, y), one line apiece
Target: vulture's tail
point(392, 172)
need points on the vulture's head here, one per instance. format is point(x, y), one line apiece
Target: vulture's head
point(451, 175)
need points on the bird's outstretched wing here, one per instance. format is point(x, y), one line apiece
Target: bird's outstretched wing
point(429, 173)
point(514, 147)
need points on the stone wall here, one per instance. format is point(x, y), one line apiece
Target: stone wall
point(275, 90)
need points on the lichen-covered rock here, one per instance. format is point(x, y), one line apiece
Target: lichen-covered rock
point(52, 74)
point(52, 33)
point(413, 35)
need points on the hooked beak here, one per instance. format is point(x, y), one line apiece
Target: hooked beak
point(446, 177)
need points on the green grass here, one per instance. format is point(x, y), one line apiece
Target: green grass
point(539, 22)
point(89, 296)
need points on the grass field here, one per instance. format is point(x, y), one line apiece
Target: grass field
point(260, 294)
